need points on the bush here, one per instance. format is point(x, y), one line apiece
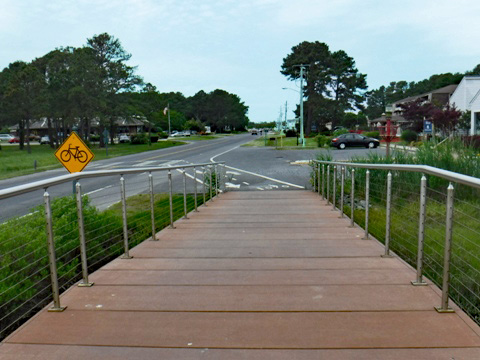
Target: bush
point(373, 134)
point(162, 135)
point(291, 133)
point(153, 138)
point(340, 132)
point(323, 140)
point(409, 136)
point(94, 138)
point(139, 139)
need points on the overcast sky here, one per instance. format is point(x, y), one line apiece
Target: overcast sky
point(239, 45)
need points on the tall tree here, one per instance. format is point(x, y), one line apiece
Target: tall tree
point(116, 76)
point(333, 84)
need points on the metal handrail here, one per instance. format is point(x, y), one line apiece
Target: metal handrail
point(213, 187)
point(451, 176)
point(42, 184)
point(425, 169)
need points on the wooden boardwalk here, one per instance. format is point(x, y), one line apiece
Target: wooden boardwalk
point(255, 275)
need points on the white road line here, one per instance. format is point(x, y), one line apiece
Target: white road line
point(234, 179)
point(245, 183)
point(252, 173)
point(190, 176)
point(233, 173)
point(266, 177)
point(230, 185)
point(94, 191)
point(259, 188)
point(144, 163)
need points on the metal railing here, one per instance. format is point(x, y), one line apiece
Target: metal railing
point(410, 208)
point(85, 229)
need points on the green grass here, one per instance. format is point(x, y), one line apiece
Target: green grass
point(15, 162)
point(284, 143)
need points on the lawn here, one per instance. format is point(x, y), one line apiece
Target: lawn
point(15, 162)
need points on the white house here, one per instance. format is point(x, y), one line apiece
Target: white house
point(466, 97)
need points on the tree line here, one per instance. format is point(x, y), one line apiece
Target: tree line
point(336, 91)
point(73, 87)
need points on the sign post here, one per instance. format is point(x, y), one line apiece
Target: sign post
point(74, 154)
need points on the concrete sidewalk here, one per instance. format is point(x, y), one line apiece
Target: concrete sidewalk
point(254, 275)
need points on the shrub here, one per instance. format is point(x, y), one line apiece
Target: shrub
point(323, 140)
point(373, 134)
point(473, 141)
point(94, 138)
point(291, 133)
point(153, 138)
point(409, 136)
point(340, 132)
point(139, 139)
point(162, 135)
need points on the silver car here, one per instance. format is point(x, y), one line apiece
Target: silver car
point(6, 137)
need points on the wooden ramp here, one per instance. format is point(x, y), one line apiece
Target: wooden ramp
point(255, 275)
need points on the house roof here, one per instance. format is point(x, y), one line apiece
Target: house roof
point(449, 89)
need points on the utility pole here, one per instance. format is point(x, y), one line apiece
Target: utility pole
point(285, 115)
point(302, 139)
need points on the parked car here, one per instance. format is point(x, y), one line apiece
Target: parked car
point(351, 139)
point(14, 140)
point(123, 138)
point(45, 140)
point(177, 134)
point(6, 137)
point(254, 132)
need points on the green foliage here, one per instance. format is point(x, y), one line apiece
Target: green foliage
point(372, 134)
point(333, 86)
point(323, 140)
point(340, 132)
point(409, 136)
point(195, 125)
point(138, 139)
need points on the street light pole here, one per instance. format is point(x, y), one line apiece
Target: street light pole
point(169, 130)
point(301, 106)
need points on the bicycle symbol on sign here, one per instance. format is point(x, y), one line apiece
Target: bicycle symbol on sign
point(80, 155)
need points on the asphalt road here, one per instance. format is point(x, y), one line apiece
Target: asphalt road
point(248, 168)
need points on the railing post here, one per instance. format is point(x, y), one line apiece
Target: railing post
point(367, 202)
point(217, 179)
point(224, 178)
point(334, 187)
point(314, 188)
point(123, 195)
point(323, 181)
point(184, 194)
point(352, 199)
point(152, 206)
point(195, 188)
point(170, 198)
point(211, 183)
point(342, 188)
point(81, 233)
point(318, 177)
point(51, 255)
point(444, 308)
point(204, 187)
point(328, 184)
point(421, 232)
point(388, 216)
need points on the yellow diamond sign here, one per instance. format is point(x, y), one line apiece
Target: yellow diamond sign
point(74, 154)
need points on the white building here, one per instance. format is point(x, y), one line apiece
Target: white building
point(466, 97)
